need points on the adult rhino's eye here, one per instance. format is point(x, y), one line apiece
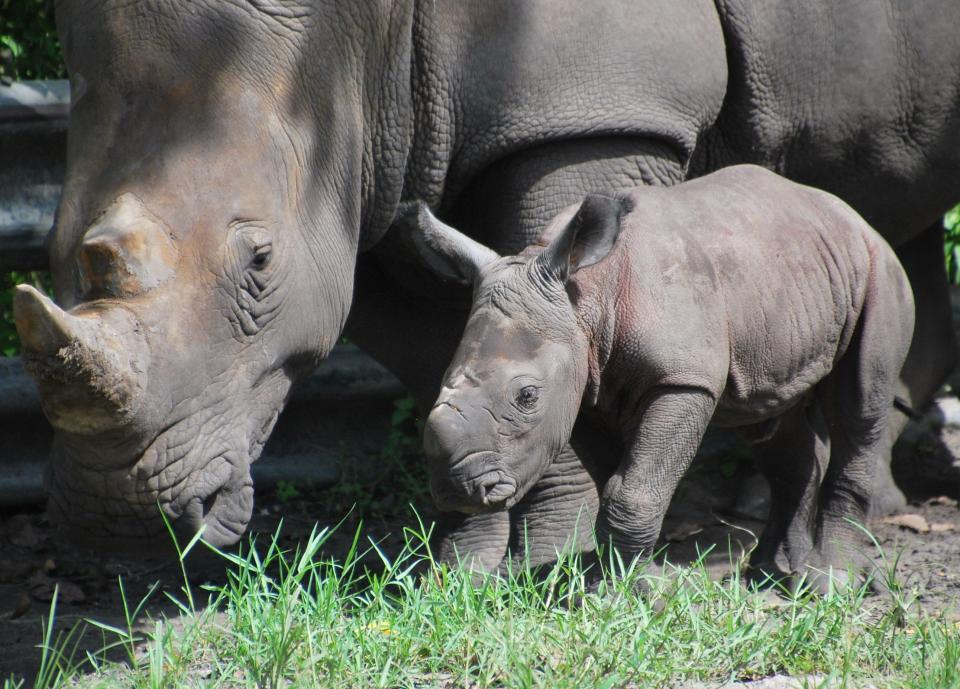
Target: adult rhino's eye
point(261, 257)
point(527, 397)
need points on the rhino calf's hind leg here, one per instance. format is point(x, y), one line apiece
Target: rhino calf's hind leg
point(859, 443)
point(794, 461)
point(857, 402)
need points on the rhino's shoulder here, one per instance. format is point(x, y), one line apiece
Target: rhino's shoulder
point(514, 74)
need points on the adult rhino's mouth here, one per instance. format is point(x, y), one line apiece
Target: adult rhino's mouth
point(173, 482)
point(224, 513)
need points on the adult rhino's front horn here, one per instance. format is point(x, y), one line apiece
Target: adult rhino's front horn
point(90, 365)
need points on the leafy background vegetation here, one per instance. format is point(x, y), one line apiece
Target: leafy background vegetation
point(951, 245)
point(29, 48)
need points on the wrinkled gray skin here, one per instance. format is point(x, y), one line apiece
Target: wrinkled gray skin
point(739, 299)
point(233, 168)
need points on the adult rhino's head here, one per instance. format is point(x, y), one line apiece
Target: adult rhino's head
point(513, 390)
point(221, 164)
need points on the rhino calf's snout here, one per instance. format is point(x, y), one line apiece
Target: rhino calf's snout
point(478, 483)
point(463, 478)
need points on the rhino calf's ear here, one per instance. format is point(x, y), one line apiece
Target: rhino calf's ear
point(587, 238)
point(450, 254)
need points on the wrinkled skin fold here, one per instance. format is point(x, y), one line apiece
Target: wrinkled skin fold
point(232, 167)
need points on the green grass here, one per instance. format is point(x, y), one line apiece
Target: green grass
point(295, 619)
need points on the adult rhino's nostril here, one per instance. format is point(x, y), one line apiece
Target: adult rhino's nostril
point(126, 252)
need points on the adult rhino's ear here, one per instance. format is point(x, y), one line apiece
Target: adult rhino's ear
point(449, 253)
point(587, 238)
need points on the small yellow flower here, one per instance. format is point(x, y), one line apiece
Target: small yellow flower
point(380, 626)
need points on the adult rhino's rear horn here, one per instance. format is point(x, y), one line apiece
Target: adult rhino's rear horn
point(91, 366)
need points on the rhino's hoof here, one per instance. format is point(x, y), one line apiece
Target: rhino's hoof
point(886, 499)
point(767, 575)
point(826, 580)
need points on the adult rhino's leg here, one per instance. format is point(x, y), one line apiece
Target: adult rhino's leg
point(933, 350)
point(559, 514)
point(508, 205)
point(412, 326)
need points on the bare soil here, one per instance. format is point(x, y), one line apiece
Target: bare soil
point(718, 510)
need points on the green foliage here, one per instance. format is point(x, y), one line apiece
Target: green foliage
point(9, 343)
point(287, 491)
point(951, 244)
point(399, 469)
point(405, 428)
point(29, 47)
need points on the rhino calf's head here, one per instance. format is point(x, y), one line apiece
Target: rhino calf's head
point(513, 390)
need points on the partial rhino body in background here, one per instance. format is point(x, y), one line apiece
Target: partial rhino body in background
point(233, 168)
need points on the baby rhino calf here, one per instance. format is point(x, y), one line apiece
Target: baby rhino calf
point(739, 298)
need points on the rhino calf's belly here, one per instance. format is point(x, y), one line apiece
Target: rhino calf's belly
point(747, 400)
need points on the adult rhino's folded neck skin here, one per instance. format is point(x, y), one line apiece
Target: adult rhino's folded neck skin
point(223, 161)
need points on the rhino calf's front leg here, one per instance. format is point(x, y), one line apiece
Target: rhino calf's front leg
point(556, 517)
point(658, 453)
point(476, 542)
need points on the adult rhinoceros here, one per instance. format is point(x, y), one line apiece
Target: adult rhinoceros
point(234, 166)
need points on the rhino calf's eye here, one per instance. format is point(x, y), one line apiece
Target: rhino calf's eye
point(527, 397)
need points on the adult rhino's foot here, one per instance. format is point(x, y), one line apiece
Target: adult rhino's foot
point(618, 580)
point(833, 570)
point(825, 580)
point(768, 574)
point(886, 498)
